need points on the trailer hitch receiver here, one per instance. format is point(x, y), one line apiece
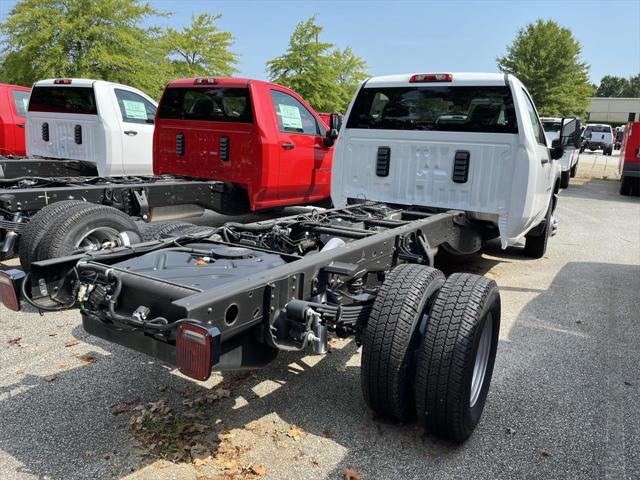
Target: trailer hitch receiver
point(197, 349)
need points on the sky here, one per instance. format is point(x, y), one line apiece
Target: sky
point(418, 36)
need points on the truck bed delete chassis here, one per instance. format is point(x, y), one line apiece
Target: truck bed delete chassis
point(259, 288)
point(22, 197)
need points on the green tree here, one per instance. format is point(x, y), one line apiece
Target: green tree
point(546, 58)
point(201, 49)
point(611, 86)
point(325, 76)
point(632, 90)
point(83, 38)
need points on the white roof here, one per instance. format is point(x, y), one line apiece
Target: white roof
point(550, 119)
point(459, 79)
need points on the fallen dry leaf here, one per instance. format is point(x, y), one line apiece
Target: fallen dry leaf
point(53, 334)
point(14, 341)
point(71, 343)
point(21, 371)
point(295, 432)
point(259, 470)
point(64, 366)
point(315, 462)
point(121, 408)
point(87, 359)
point(51, 378)
point(545, 452)
point(352, 474)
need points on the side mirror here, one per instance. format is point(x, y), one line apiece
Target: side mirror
point(335, 122)
point(556, 149)
point(570, 133)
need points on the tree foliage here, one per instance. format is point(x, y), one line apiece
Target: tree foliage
point(201, 49)
point(325, 76)
point(106, 40)
point(611, 86)
point(546, 58)
point(82, 38)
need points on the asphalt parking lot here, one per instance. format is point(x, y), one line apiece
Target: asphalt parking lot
point(564, 400)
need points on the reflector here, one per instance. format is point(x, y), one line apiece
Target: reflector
point(10, 282)
point(197, 349)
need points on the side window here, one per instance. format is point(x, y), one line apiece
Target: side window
point(292, 116)
point(135, 108)
point(535, 121)
point(21, 101)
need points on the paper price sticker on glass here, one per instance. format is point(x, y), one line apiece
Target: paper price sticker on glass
point(291, 118)
point(134, 109)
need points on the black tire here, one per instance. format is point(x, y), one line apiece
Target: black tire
point(61, 238)
point(392, 336)
point(573, 170)
point(37, 226)
point(158, 230)
point(564, 179)
point(535, 245)
point(464, 306)
point(630, 186)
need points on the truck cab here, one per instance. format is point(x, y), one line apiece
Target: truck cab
point(106, 123)
point(262, 138)
point(454, 141)
point(14, 100)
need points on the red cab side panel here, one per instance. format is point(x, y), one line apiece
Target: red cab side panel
point(630, 148)
point(12, 119)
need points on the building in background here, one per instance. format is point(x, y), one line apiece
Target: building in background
point(613, 110)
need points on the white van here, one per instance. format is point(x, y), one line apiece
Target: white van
point(453, 141)
point(102, 122)
point(568, 161)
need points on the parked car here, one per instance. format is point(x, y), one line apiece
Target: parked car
point(237, 295)
point(598, 137)
point(104, 123)
point(629, 164)
point(14, 100)
point(569, 160)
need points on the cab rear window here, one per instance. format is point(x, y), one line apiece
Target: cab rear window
point(208, 104)
point(452, 109)
point(78, 100)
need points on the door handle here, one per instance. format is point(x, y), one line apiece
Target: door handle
point(21, 125)
point(131, 133)
point(288, 146)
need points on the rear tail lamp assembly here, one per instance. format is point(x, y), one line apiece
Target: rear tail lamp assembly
point(431, 77)
point(197, 349)
point(10, 287)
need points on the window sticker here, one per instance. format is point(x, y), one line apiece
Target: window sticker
point(290, 117)
point(134, 109)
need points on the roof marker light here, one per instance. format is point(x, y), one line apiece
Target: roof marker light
point(205, 81)
point(431, 77)
point(62, 81)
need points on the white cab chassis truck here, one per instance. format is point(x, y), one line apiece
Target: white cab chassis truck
point(569, 160)
point(471, 142)
point(102, 123)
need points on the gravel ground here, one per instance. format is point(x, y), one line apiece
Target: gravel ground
point(563, 401)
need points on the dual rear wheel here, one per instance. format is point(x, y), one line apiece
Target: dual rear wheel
point(429, 349)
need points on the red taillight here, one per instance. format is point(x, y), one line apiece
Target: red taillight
point(431, 77)
point(62, 81)
point(197, 349)
point(205, 81)
point(10, 283)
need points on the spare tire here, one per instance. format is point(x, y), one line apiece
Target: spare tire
point(38, 224)
point(84, 227)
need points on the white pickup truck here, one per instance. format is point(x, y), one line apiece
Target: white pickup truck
point(454, 141)
point(569, 160)
point(96, 121)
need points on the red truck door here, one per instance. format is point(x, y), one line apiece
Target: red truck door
point(13, 118)
point(305, 162)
